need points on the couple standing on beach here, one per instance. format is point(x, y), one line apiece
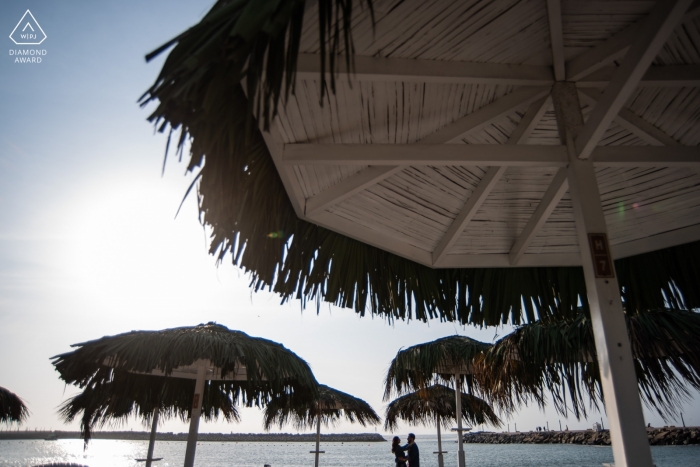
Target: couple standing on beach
point(413, 457)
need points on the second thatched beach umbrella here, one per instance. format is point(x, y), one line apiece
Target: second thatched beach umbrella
point(443, 360)
point(436, 404)
point(116, 395)
point(327, 407)
point(12, 408)
point(260, 368)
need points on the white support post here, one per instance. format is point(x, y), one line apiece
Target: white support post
point(439, 452)
point(458, 416)
point(617, 374)
point(196, 413)
point(318, 435)
point(152, 439)
point(556, 38)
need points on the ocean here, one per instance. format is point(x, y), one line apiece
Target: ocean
point(111, 453)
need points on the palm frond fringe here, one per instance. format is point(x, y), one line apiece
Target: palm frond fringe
point(12, 407)
point(115, 395)
point(423, 407)
point(244, 202)
point(559, 359)
point(303, 412)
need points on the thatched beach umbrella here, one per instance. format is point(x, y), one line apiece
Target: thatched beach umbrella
point(436, 404)
point(325, 202)
point(329, 406)
point(449, 359)
point(119, 394)
point(12, 408)
point(559, 358)
point(259, 367)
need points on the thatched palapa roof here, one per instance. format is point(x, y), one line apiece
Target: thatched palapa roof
point(424, 406)
point(12, 407)
point(303, 412)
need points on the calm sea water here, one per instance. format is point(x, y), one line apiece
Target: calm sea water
point(107, 453)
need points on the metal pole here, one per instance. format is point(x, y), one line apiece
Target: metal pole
point(441, 462)
point(559, 425)
point(196, 412)
point(458, 415)
point(619, 381)
point(682, 420)
point(152, 439)
point(318, 436)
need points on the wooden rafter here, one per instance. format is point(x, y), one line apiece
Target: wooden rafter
point(348, 187)
point(485, 155)
point(651, 37)
point(469, 210)
point(549, 201)
point(556, 38)
point(532, 117)
point(485, 115)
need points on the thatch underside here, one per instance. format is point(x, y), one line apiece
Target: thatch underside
point(12, 407)
point(332, 404)
point(559, 358)
point(245, 203)
point(424, 406)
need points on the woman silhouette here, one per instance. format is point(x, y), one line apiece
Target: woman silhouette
point(399, 455)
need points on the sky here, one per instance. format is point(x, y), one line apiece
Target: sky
point(90, 244)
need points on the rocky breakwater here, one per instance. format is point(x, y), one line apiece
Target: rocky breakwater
point(667, 436)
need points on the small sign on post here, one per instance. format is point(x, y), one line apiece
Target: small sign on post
point(600, 253)
point(195, 404)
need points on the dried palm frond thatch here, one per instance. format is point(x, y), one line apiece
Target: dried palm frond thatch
point(428, 405)
point(245, 203)
point(440, 360)
point(116, 397)
point(332, 404)
point(559, 358)
point(270, 368)
point(12, 408)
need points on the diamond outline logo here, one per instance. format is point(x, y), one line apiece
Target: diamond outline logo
point(30, 27)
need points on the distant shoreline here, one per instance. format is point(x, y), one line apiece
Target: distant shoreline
point(219, 437)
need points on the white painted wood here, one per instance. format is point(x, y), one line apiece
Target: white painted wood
point(289, 179)
point(348, 187)
point(633, 123)
point(471, 206)
point(196, 414)
point(532, 117)
point(484, 155)
point(423, 154)
point(503, 260)
point(657, 242)
point(557, 38)
point(651, 37)
point(458, 415)
point(602, 54)
point(152, 438)
point(376, 69)
point(549, 201)
point(318, 436)
point(613, 349)
point(646, 156)
point(486, 115)
point(656, 76)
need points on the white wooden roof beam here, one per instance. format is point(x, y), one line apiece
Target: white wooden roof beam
point(484, 155)
point(656, 76)
point(650, 38)
point(454, 131)
point(613, 48)
point(532, 117)
point(549, 201)
point(635, 124)
point(471, 207)
point(348, 187)
point(429, 71)
point(556, 36)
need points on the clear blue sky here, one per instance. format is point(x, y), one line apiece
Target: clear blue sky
point(88, 241)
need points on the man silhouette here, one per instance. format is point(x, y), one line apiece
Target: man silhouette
point(413, 453)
